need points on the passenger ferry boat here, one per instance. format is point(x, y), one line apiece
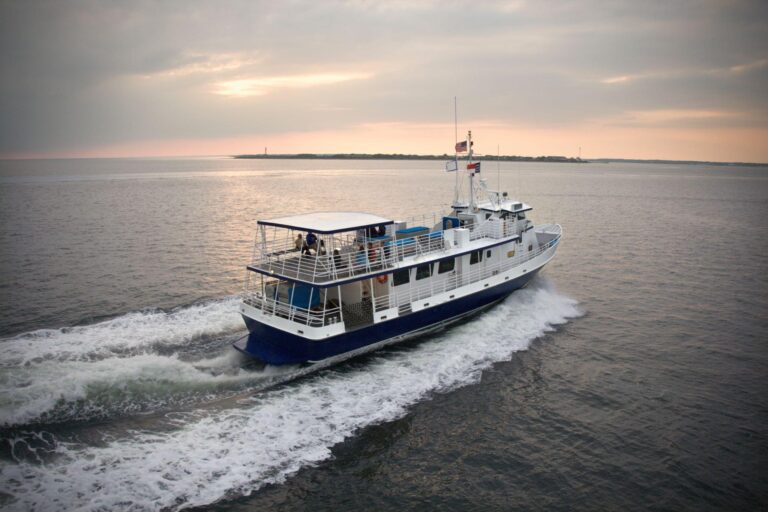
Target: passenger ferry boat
point(327, 286)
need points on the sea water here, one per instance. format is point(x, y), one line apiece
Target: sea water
point(630, 373)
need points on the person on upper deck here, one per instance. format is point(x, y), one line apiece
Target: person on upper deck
point(337, 260)
point(299, 242)
point(311, 243)
point(361, 258)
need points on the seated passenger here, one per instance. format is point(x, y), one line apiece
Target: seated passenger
point(338, 261)
point(373, 252)
point(361, 258)
point(311, 242)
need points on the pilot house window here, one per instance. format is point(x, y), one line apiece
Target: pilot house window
point(401, 277)
point(475, 256)
point(423, 271)
point(446, 266)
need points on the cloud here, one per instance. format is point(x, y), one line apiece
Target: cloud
point(617, 79)
point(246, 87)
point(205, 64)
point(750, 66)
point(657, 117)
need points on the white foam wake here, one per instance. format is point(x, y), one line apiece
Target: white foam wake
point(129, 333)
point(55, 391)
point(236, 451)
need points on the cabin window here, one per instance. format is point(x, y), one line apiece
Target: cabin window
point(475, 257)
point(521, 215)
point(423, 271)
point(488, 254)
point(530, 247)
point(487, 216)
point(446, 266)
point(402, 276)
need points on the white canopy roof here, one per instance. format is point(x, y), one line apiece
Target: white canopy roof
point(508, 205)
point(327, 222)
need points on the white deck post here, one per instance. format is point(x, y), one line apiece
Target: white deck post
point(373, 295)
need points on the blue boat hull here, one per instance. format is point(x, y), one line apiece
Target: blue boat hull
point(278, 347)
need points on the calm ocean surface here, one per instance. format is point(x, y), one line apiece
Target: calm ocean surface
point(631, 375)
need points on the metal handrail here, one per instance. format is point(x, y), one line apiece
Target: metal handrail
point(296, 314)
point(283, 258)
point(432, 286)
point(330, 267)
point(411, 293)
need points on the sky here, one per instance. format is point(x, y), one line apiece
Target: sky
point(671, 79)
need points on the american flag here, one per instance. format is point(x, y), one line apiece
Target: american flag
point(462, 146)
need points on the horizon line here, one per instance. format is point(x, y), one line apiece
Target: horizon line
point(276, 156)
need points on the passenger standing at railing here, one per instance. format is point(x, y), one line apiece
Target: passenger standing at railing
point(338, 262)
point(321, 250)
point(373, 253)
point(299, 242)
point(361, 258)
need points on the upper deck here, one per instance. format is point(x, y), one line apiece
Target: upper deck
point(349, 246)
point(328, 222)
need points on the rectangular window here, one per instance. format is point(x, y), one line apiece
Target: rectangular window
point(488, 254)
point(475, 257)
point(446, 266)
point(423, 271)
point(401, 276)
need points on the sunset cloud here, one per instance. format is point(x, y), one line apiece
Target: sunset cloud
point(617, 79)
point(666, 116)
point(208, 64)
point(246, 87)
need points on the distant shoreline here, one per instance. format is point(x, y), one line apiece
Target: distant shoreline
point(385, 156)
point(502, 158)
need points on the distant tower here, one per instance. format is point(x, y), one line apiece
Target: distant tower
point(265, 150)
point(579, 152)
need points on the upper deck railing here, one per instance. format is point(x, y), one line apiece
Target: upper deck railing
point(358, 255)
point(369, 255)
point(401, 296)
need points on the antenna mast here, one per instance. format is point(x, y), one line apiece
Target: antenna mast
point(456, 153)
point(470, 172)
point(498, 168)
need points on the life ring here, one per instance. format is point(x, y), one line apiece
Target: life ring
point(382, 278)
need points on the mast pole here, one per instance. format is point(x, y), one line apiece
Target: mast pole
point(471, 173)
point(456, 152)
point(498, 173)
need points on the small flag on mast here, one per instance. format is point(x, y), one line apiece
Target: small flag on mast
point(474, 167)
point(462, 146)
point(451, 166)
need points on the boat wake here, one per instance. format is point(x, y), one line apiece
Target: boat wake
point(220, 453)
point(129, 334)
point(137, 362)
